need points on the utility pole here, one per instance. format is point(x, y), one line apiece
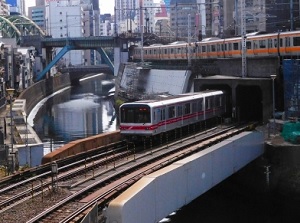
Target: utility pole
point(236, 17)
point(243, 34)
point(189, 40)
point(292, 14)
point(142, 35)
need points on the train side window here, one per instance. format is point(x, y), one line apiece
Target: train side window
point(172, 50)
point(213, 48)
point(194, 107)
point(218, 48)
point(166, 51)
point(229, 46)
point(296, 41)
point(203, 49)
point(171, 111)
point(178, 50)
point(262, 44)
point(154, 51)
point(235, 46)
point(154, 116)
point(248, 45)
point(187, 108)
point(179, 111)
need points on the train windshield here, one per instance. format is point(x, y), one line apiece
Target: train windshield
point(135, 114)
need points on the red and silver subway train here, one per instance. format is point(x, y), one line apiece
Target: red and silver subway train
point(152, 117)
point(257, 45)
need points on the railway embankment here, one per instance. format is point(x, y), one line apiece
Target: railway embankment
point(276, 174)
point(284, 165)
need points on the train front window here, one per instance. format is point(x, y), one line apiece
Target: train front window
point(135, 114)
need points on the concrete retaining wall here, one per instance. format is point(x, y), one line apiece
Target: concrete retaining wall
point(42, 89)
point(157, 195)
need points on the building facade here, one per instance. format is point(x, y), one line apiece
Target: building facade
point(16, 6)
point(4, 8)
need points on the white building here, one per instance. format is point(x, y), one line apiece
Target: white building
point(67, 19)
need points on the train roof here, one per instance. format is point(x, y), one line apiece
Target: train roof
point(176, 98)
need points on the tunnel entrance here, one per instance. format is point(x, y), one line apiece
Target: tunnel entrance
point(249, 103)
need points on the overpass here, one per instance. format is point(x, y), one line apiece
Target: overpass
point(73, 43)
point(45, 45)
point(77, 72)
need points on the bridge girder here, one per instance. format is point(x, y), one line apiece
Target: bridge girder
point(16, 26)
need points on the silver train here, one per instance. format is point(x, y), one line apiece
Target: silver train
point(153, 117)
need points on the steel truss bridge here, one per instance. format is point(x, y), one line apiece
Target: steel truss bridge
point(16, 26)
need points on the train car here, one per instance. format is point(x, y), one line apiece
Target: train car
point(257, 45)
point(152, 117)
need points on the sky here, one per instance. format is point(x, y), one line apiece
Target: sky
point(106, 6)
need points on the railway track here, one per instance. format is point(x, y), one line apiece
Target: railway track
point(95, 180)
point(70, 172)
point(77, 198)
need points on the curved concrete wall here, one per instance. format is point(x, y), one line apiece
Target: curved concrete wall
point(42, 89)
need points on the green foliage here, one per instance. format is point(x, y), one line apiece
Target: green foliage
point(119, 102)
point(291, 132)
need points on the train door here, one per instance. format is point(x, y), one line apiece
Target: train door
point(282, 45)
point(179, 115)
point(249, 48)
point(203, 51)
point(157, 117)
point(270, 46)
point(204, 108)
point(214, 105)
point(225, 48)
point(236, 49)
point(187, 112)
point(167, 53)
point(255, 47)
point(194, 111)
point(208, 107)
point(230, 49)
point(163, 118)
point(200, 109)
point(288, 45)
